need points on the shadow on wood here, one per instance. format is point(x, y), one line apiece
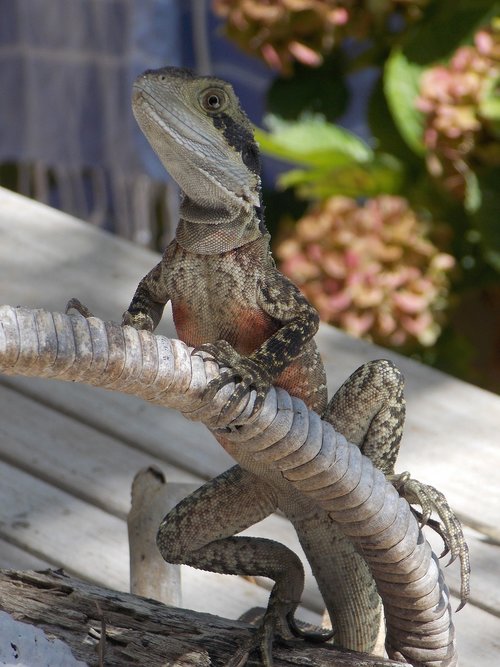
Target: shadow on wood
point(129, 630)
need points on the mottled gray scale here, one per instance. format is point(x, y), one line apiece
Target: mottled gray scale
point(374, 393)
point(240, 138)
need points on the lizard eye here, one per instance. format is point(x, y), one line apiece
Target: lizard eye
point(213, 99)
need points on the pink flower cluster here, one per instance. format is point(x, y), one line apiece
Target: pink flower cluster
point(462, 111)
point(370, 269)
point(284, 31)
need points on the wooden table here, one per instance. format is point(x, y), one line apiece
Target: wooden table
point(68, 453)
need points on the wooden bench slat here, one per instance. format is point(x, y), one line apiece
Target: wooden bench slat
point(155, 431)
point(14, 557)
point(66, 531)
point(484, 556)
point(71, 455)
point(477, 634)
point(47, 257)
point(449, 422)
point(92, 544)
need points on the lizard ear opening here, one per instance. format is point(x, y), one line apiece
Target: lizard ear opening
point(213, 100)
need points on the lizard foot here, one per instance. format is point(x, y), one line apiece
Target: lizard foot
point(138, 321)
point(278, 624)
point(244, 370)
point(76, 304)
point(450, 528)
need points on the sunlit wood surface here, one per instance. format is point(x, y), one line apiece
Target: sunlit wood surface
point(68, 453)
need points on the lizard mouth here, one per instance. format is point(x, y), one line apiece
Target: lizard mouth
point(198, 149)
point(176, 127)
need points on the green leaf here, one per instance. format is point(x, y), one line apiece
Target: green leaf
point(489, 105)
point(335, 160)
point(386, 133)
point(401, 86)
point(312, 142)
point(383, 175)
point(473, 195)
point(487, 215)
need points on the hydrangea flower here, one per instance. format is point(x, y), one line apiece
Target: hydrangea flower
point(284, 31)
point(370, 269)
point(462, 111)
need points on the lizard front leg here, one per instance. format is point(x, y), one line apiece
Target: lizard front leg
point(200, 531)
point(369, 410)
point(293, 322)
point(147, 305)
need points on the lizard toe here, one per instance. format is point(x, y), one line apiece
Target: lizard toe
point(316, 637)
point(208, 348)
point(449, 528)
point(261, 641)
point(239, 393)
point(246, 373)
point(218, 383)
point(140, 321)
point(76, 304)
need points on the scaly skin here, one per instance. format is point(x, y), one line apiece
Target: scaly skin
point(229, 301)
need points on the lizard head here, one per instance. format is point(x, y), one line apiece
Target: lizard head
point(205, 141)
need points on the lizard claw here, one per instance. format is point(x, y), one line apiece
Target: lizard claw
point(277, 623)
point(317, 637)
point(264, 638)
point(76, 304)
point(450, 528)
point(246, 372)
point(261, 640)
point(436, 527)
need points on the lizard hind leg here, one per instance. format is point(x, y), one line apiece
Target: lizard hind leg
point(369, 410)
point(200, 531)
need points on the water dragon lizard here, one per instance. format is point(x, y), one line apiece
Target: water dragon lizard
point(231, 302)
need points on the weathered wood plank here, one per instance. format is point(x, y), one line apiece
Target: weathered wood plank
point(73, 456)
point(13, 557)
point(92, 544)
point(62, 529)
point(159, 432)
point(139, 631)
point(484, 557)
point(478, 637)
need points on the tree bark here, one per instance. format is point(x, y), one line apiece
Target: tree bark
point(104, 627)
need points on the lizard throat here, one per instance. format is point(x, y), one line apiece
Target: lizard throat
point(212, 239)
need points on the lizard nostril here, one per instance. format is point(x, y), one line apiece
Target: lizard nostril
point(136, 94)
